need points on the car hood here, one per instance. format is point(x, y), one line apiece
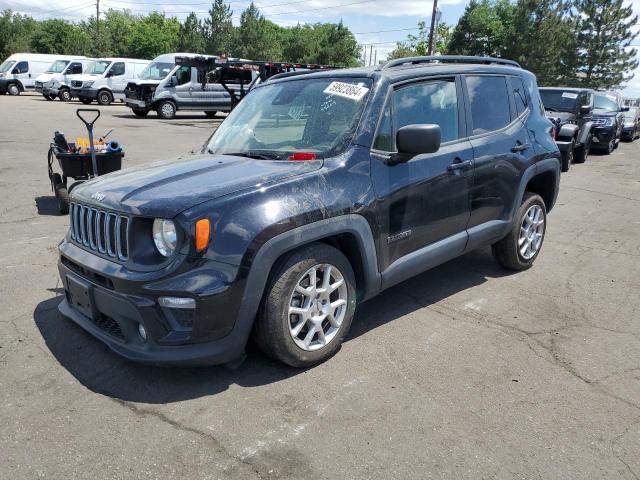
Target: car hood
point(145, 82)
point(44, 77)
point(600, 112)
point(168, 188)
point(85, 77)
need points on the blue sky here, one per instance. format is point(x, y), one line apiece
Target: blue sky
point(371, 20)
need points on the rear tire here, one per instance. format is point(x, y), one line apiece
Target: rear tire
point(567, 157)
point(64, 95)
point(519, 249)
point(580, 156)
point(13, 89)
point(166, 110)
point(61, 193)
point(105, 97)
point(325, 307)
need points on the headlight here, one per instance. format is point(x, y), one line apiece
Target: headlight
point(87, 84)
point(165, 236)
point(629, 125)
point(608, 121)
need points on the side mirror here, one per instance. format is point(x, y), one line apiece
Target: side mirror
point(624, 109)
point(173, 81)
point(585, 109)
point(413, 140)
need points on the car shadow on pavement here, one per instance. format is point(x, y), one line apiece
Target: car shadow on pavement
point(104, 372)
point(47, 205)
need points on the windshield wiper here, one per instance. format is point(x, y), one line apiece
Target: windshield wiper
point(253, 154)
point(551, 109)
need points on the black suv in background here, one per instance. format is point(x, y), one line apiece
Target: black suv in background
point(571, 110)
point(608, 121)
point(317, 192)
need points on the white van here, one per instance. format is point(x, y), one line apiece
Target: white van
point(166, 88)
point(18, 72)
point(55, 81)
point(105, 79)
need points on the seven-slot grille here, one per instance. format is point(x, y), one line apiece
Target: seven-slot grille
point(101, 231)
point(76, 83)
point(599, 121)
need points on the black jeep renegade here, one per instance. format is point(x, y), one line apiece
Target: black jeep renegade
point(316, 193)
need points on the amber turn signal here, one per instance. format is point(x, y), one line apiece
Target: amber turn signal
point(203, 230)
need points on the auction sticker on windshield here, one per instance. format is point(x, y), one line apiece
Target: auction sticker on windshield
point(570, 95)
point(346, 90)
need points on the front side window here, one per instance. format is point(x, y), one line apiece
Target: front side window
point(74, 69)
point(21, 67)
point(489, 103)
point(317, 116)
point(183, 75)
point(6, 65)
point(117, 70)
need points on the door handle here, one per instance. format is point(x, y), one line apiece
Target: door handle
point(459, 165)
point(520, 147)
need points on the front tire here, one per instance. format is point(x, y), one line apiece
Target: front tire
point(567, 157)
point(13, 89)
point(64, 95)
point(86, 101)
point(583, 152)
point(105, 97)
point(308, 306)
point(519, 249)
point(210, 114)
point(140, 113)
point(166, 110)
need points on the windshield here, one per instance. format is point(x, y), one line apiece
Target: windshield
point(58, 66)
point(606, 102)
point(98, 68)
point(559, 101)
point(6, 65)
point(156, 71)
point(317, 117)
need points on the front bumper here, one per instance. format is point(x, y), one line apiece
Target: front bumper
point(628, 132)
point(110, 302)
point(84, 93)
point(137, 104)
point(3, 85)
point(601, 136)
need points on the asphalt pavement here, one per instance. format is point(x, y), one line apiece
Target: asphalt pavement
point(464, 372)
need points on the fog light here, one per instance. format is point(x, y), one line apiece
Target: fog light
point(142, 332)
point(177, 302)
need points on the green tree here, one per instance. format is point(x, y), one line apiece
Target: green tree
point(153, 35)
point(482, 28)
point(60, 36)
point(219, 30)
point(258, 37)
point(115, 32)
point(191, 37)
point(540, 39)
point(419, 44)
point(333, 44)
point(15, 33)
point(603, 37)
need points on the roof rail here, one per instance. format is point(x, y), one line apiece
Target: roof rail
point(446, 59)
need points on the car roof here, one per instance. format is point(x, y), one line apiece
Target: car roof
point(409, 71)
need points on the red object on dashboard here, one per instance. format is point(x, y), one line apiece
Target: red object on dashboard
point(301, 156)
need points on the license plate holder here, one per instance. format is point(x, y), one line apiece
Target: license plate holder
point(79, 297)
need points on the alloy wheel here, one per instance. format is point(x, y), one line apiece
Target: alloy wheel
point(317, 307)
point(531, 232)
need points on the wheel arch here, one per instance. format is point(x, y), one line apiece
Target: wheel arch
point(544, 182)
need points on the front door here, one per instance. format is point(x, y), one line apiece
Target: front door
point(425, 200)
point(183, 89)
point(21, 72)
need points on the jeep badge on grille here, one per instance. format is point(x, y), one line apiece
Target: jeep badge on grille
point(98, 196)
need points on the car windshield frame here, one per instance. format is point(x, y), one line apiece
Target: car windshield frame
point(92, 67)
point(145, 75)
point(298, 116)
point(563, 101)
point(55, 66)
point(6, 65)
point(605, 102)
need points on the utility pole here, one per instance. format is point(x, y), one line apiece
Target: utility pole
point(370, 54)
point(433, 28)
point(98, 25)
point(364, 58)
point(375, 58)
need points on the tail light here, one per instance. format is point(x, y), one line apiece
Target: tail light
point(553, 132)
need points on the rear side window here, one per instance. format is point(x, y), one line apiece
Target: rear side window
point(427, 103)
point(21, 67)
point(489, 103)
point(519, 95)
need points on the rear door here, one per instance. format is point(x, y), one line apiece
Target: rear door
point(426, 199)
point(498, 108)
